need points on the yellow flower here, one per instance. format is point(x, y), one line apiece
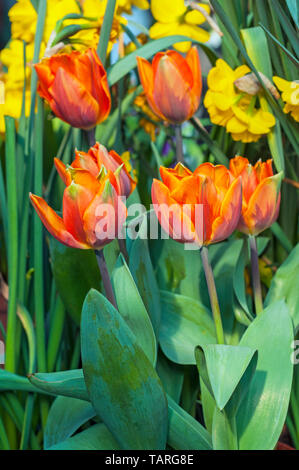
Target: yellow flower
point(24, 18)
point(131, 47)
point(12, 106)
point(233, 109)
point(290, 95)
point(126, 5)
point(173, 17)
point(127, 161)
point(12, 57)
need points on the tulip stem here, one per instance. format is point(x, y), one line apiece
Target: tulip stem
point(213, 295)
point(105, 277)
point(179, 144)
point(123, 249)
point(256, 280)
point(91, 137)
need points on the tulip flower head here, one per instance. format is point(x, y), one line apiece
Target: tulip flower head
point(202, 207)
point(261, 194)
point(93, 210)
point(172, 84)
point(76, 88)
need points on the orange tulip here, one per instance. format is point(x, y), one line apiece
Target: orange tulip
point(211, 188)
point(172, 84)
point(92, 212)
point(92, 161)
point(76, 88)
point(261, 194)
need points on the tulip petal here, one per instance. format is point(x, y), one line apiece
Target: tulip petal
point(193, 61)
point(62, 171)
point(86, 161)
point(46, 79)
point(104, 217)
point(76, 199)
point(146, 76)
point(54, 224)
point(72, 102)
point(174, 221)
point(172, 93)
point(226, 223)
point(171, 176)
point(262, 207)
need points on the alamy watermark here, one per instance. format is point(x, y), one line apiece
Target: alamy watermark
point(182, 222)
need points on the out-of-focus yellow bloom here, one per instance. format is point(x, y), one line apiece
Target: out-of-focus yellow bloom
point(12, 57)
point(24, 17)
point(290, 95)
point(131, 47)
point(173, 17)
point(127, 161)
point(147, 124)
point(233, 109)
point(126, 5)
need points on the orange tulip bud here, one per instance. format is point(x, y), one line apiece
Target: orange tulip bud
point(261, 194)
point(76, 88)
point(97, 157)
point(172, 84)
point(202, 207)
point(93, 211)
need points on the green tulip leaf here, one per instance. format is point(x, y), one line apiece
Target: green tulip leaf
point(262, 414)
point(284, 285)
point(97, 437)
point(185, 323)
point(65, 418)
point(75, 273)
point(132, 308)
point(122, 384)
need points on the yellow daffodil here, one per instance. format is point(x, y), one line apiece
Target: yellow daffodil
point(235, 110)
point(173, 17)
point(23, 17)
point(126, 5)
point(12, 58)
point(290, 95)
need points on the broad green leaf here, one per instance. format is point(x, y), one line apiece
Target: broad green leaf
point(208, 405)
point(65, 417)
point(69, 383)
point(143, 273)
point(97, 437)
point(263, 411)
point(75, 273)
point(10, 381)
point(171, 375)
point(122, 384)
point(132, 308)
point(177, 269)
point(185, 433)
point(225, 367)
point(220, 431)
point(185, 323)
point(284, 285)
point(128, 63)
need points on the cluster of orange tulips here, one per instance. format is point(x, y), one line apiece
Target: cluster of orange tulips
point(76, 88)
